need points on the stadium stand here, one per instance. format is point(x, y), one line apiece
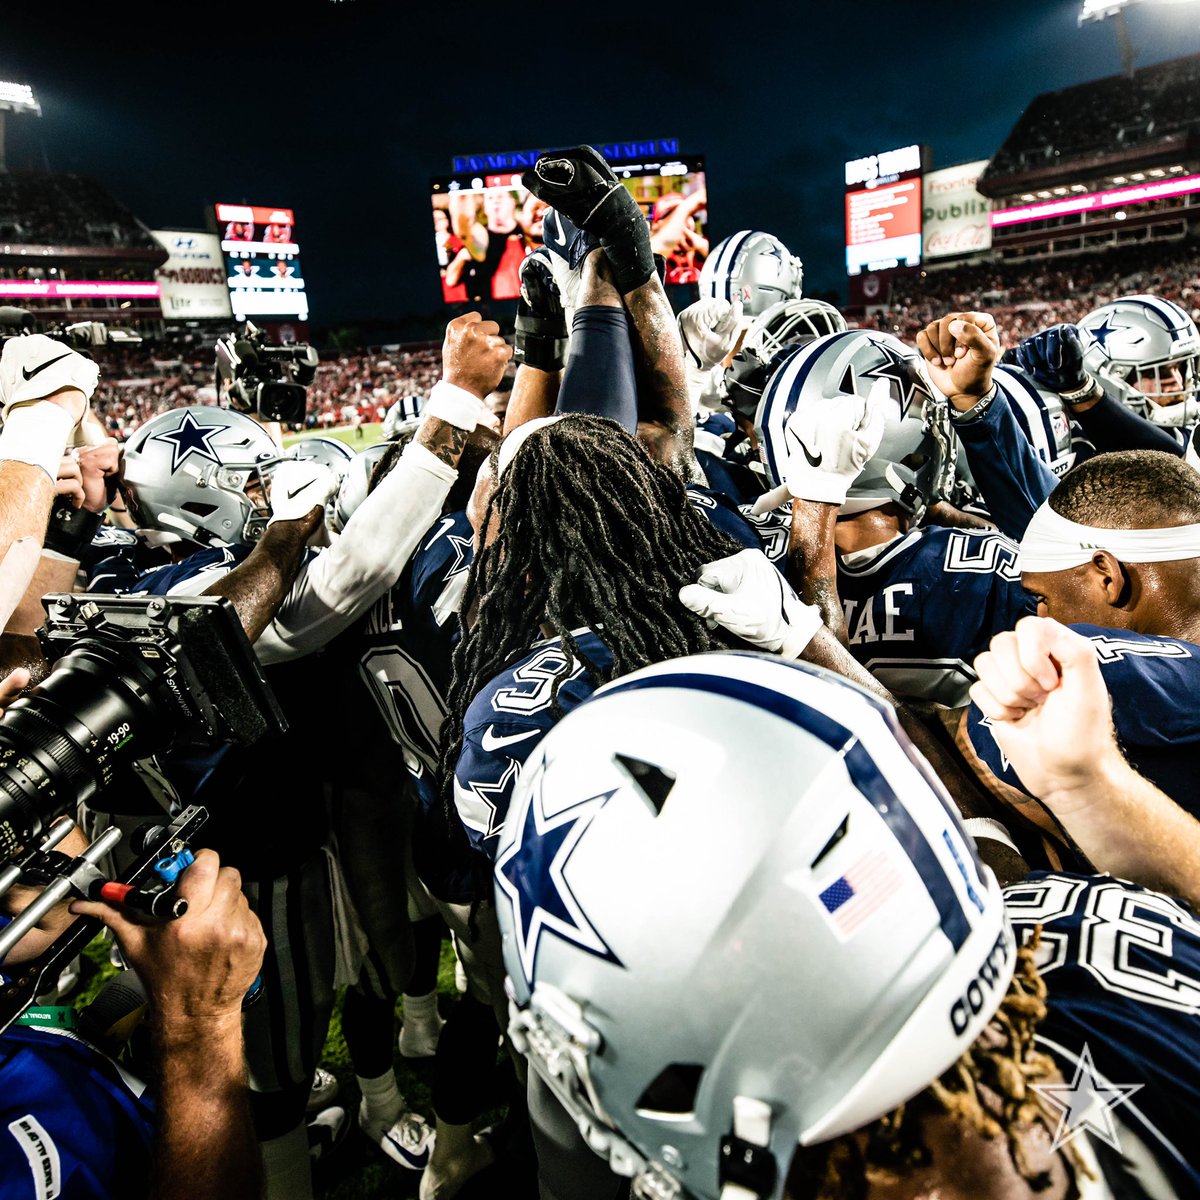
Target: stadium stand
point(49, 209)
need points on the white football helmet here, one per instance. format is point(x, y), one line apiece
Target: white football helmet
point(915, 462)
point(1150, 349)
point(753, 267)
point(355, 484)
point(791, 321)
point(1041, 415)
point(818, 906)
point(203, 473)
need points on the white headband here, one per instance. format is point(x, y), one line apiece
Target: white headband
point(518, 437)
point(1052, 543)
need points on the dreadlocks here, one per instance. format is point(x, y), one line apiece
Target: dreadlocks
point(988, 1088)
point(591, 533)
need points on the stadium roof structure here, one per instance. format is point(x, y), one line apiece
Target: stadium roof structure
point(1150, 115)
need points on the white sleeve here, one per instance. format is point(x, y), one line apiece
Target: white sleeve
point(334, 589)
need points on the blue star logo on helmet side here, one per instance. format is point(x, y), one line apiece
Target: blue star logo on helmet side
point(903, 374)
point(190, 437)
point(1101, 333)
point(531, 873)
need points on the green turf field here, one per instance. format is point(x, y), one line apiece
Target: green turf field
point(370, 434)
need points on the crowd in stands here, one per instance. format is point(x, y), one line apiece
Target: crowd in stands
point(1115, 113)
point(1027, 296)
point(44, 208)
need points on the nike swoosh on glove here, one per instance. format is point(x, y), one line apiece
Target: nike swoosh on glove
point(37, 366)
point(828, 444)
point(746, 595)
point(297, 487)
point(709, 329)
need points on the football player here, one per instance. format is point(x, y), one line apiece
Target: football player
point(872, 1015)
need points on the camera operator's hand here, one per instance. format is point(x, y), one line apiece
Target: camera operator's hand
point(197, 969)
point(99, 467)
point(960, 351)
point(12, 685)
point(474, 355)
point(39, 368)
point(70, 479)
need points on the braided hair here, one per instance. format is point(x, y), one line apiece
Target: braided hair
point(592, 533)
point(989, 1089)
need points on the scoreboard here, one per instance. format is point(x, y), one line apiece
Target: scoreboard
point(883, 211)
point(262, 261)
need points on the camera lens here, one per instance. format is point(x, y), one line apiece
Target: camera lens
point(62, 743)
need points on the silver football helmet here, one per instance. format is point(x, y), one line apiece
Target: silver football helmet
point(915, 462)
point(753, 267)
point(1041, 415)
point(791, 321)
point(355, 484)
point(819, 906)
point(331, 453)
point(1150, 349)
point(203, 473)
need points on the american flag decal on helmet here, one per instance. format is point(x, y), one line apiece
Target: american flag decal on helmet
point(860, 892)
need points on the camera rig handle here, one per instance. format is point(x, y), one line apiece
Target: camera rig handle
point(82, 877)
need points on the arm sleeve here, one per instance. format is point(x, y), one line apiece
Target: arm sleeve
point(1013, 480)
point(1109, 425)
point(340, 584)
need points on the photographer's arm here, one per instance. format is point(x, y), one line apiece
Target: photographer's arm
point(197, 971)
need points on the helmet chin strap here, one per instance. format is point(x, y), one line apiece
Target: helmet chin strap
point(748, 1168)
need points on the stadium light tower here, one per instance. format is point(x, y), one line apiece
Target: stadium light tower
point(16, 98)
point(1098, 10)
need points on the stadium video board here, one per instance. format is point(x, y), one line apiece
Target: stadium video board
point(485, 224)
point(883, 211)
point(262, 261)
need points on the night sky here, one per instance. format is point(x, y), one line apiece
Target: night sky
point(343, 111)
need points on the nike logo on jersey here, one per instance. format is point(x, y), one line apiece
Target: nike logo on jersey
point(48, 363)
point(490, 741)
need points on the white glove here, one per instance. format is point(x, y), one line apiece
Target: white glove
point(828, 443)
point(297, 487)
point(710, 329)
point(749, 597)
point(36, 366)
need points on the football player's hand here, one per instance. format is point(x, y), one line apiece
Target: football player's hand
point(960, 351)
point(1054, 358)
point(474, 354)
point(1041, 688)
point(828, 444)
point(99, 466)
point(298, 486)
point(198, 968)
point(710, 329)
point(37, 367)
point(749, 597)
point(70, 479)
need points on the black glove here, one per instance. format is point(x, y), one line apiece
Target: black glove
point(1054, 358)
point(541, 339)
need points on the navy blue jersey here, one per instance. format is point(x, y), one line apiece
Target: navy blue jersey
point(919, 609)
point(72, 1125)
point(1153, 683)
point(407, 638)
point(113, 560)
point(724, 514)
point(1122, 967)
point(725, 454)
point(191, 576)
point(507, 719)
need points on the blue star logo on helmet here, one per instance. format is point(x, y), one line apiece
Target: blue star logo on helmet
point(902, 372)
point(190, 437)
point(532, 874)
point(1101, 333)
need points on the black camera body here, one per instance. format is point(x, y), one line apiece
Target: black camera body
point(132, 675)
point(268, 381)
point(81, 335)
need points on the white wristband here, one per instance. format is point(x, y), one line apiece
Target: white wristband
point(991, 830)
point(454, 405)
point(36, 434)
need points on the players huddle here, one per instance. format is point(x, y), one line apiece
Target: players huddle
point(791, 726)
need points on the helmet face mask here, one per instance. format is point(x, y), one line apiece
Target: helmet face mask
point(753, 267)
point(818, 905)
point(1149, 348)
point(789, 322)
point(914, 465)
point(202, 473)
